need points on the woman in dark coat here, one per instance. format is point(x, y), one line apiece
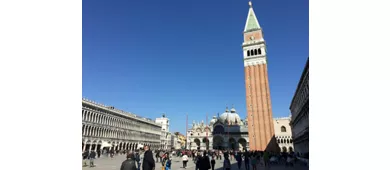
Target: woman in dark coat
point(129, 163)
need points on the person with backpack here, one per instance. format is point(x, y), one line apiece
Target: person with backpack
point(226, 163)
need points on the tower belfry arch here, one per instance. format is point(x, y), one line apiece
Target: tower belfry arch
point(258, 100)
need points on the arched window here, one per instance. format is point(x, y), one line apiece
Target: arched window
point(283, 129)
point(251, 52)
point(255, 52)
point(259, 51)
point(248, 53)
point(278, 140)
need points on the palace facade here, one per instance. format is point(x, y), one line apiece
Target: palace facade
point(106, 128)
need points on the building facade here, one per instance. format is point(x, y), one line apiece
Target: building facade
point(106, 128)
point(258, 98)
point(227, 131)
point(300, 113)
point(165, 138)
point(283, 134)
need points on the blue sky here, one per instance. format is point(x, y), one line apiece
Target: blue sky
point(177, 57)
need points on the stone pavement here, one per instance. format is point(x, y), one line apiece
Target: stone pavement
point(105, 163)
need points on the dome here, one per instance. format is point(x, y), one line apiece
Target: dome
point(233, 110)
point(230, 117)
point(212, 121)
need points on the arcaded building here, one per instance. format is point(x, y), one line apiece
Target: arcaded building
point(258, 97)
point(300, 113)
point(105, 128)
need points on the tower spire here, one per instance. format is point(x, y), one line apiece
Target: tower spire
point(251, 21)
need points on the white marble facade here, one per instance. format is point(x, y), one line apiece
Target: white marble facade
point(106, 128)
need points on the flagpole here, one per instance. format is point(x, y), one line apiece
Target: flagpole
point(186, 130)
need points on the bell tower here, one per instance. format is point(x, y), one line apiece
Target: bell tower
point(258, 101)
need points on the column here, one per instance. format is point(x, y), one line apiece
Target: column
point(85, 145)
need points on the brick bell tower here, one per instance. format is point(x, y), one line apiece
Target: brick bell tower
point(258, 101)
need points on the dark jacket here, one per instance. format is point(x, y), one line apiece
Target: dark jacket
point(148, 161)
point(204, 163)
point(128, 165)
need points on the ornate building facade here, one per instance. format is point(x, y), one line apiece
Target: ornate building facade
point(258, 98)
point(227, 131)
point(300, 113)
point(106, 128)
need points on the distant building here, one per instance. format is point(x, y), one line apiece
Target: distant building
point(300, 113)
point(283, 134)
point(165, 138)
point(107, 128)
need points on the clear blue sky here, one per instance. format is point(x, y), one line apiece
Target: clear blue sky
point(172, 56)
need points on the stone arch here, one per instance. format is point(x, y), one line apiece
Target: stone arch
point(259, 51)
point(197, 142)
point(232, 143)
point(206, 141)
point(218, 142)
point(290, 149)
point(284, 149)
point(242, 144)
point(83, 131)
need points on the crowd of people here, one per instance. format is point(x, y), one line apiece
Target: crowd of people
point(203, 160)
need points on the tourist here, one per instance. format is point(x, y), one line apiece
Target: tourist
point(168, 163)
point(226, 163)
point(239, 160)
point(157, 153)
point(129, 163)
point(266, 158)
point(212, 162)
point(185, 160)
point(246, 160)
point(204, 162)
point(253, 161)
point(92, 157)
point(85, 157)
point(148, 161)
point(138, 160)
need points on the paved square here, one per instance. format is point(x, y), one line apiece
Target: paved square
point(106, 163)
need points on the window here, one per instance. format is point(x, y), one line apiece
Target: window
point(248, 53)
point(259, 51)
point(251, 52)
point(283, 129)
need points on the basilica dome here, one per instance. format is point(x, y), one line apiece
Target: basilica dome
point(212, 121)
point(230, 116)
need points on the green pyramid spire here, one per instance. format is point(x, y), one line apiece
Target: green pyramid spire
point(251, 20)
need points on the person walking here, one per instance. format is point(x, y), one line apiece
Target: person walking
point(246, 160)
point(168, 163)
point(204, 162)
point(85, 158)
point(92, 157)
point(212, 162)
point(148, 161)
point(239, 160)
point(129, 163)
point(185, 160)
point(226, 163)
point(138, 160)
